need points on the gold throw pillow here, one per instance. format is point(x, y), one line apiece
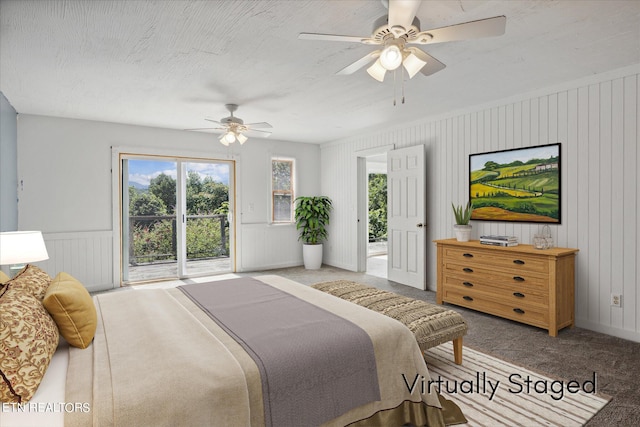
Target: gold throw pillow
point(72, 308)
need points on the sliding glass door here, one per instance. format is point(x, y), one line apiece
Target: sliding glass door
point(176, 217)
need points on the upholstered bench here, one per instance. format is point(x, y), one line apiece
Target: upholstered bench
point(431, 324)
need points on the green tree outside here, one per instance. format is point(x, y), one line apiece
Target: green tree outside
point(164, 187)
point(154, 240)
point(377, 206)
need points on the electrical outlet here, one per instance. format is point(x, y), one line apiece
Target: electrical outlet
point(616, 300)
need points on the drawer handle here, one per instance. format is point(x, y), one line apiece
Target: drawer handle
point(518, 310)
point(518, 261)
point(467, 255)
point(468, 284)
point(467, 270)
point(518, 294)
point(518, 278)
point(467, 298)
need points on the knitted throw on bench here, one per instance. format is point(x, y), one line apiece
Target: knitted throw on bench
point(431, 324)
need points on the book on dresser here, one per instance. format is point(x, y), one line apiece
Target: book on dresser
point(499, 240)
point(519, 283)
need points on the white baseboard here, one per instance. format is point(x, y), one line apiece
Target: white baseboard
point(620, 333)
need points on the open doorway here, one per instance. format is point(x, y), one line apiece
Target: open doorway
point(376, 166)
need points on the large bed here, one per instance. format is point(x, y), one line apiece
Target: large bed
point(261, 351)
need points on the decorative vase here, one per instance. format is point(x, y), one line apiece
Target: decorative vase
point(312, 256)
point(463, 232)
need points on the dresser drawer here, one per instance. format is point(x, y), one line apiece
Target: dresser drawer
point(502, 260)
point(533, 315)
point(488, 275)
point(498, 292)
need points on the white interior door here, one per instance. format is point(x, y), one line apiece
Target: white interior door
point(406, 216)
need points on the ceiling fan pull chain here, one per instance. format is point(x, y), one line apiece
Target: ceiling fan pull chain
point(402, 77)
point(394, 88)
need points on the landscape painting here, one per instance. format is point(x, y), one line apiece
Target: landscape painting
point(521, 185)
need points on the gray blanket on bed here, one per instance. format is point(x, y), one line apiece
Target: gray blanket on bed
point(295, 345)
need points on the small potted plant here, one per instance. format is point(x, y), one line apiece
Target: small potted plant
point(462, 227)
point(312, 217)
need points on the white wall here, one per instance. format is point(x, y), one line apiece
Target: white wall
point(595, 119)
point(64, 167)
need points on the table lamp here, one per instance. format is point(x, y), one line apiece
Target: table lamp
point(18, 248)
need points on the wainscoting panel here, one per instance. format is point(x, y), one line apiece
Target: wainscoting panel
point(87, 256)
point(265, 247)
point(596, 121)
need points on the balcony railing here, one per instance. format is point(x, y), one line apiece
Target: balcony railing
point(152, 238)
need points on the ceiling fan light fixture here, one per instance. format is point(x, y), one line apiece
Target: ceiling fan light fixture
point(413, 64)
point(241, 138)
point(223, 140)
point(377, 71)
point(228, 138)
point(391, 57)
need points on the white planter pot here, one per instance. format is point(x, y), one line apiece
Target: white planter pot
point(463, 232)
point(312, 256)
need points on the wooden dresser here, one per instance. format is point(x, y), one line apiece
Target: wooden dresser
point(519, 283)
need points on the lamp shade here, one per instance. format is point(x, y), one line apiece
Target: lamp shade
point(17, 247)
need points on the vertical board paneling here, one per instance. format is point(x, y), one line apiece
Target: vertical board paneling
point(561, 136)
point(617, 193)
point(582, 190)
point(593, 188)
point(604, 213)
point(84, 255)
point(571, 172)
point(597, 124)
point(631, 205)
point(268, 246)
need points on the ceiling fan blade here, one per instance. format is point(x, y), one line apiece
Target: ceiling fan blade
point(401, 14)
point(469, 30)
point(432, 66)
point(336, 38)
point(214, 121)
point(259, 125)
point(352, 68)
point(214, 130)
point(257, 132)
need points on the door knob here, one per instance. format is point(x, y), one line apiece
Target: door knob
point(420, 225)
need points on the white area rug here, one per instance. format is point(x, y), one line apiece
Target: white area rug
point(492, 392)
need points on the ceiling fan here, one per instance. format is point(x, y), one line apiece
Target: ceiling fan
point(398, 30)
point(233, 128)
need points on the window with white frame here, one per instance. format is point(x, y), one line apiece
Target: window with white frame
point(282, 190)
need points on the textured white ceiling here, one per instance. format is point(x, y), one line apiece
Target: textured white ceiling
point(170, 64)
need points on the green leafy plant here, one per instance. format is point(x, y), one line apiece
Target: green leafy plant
point(312, 217)
point(462, 213)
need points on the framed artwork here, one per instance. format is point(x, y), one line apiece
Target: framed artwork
point(519, 185)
